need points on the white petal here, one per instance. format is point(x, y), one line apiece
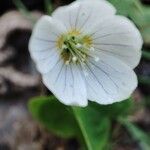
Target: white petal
point(83, 14)
point(119, 37)
point(109, 80)
point(42, 44)
point(45, 65)
point(67, 84)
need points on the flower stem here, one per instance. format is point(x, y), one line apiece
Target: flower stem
point(80, 124)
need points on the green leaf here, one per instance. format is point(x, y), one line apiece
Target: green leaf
point(115, 110)
point(146, 34)
point(95, 121)
point(142, 138)
point(94, 127)
point(125, 7)
point(86, 124)
point(122, 6)
point(54, 116)
point(142, 20)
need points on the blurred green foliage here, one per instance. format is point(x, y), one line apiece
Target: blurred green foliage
point(142, 138)
point(48, 7)
point(137, 12)
point(24, 11)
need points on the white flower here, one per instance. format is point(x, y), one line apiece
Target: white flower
point(86, 52)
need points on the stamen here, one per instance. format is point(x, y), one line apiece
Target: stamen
point(74, 59)
point(79, 45)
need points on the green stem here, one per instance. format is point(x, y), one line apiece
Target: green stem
point(80, 123)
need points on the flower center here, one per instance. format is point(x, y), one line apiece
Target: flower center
point(74, 47)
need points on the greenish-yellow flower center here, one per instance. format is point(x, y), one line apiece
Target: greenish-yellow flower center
point(74, 47)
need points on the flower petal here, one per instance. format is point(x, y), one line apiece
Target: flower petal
point(67, 84)
point(119, 37)
point(109, 80)
point(42, 44)
point(83, 14)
